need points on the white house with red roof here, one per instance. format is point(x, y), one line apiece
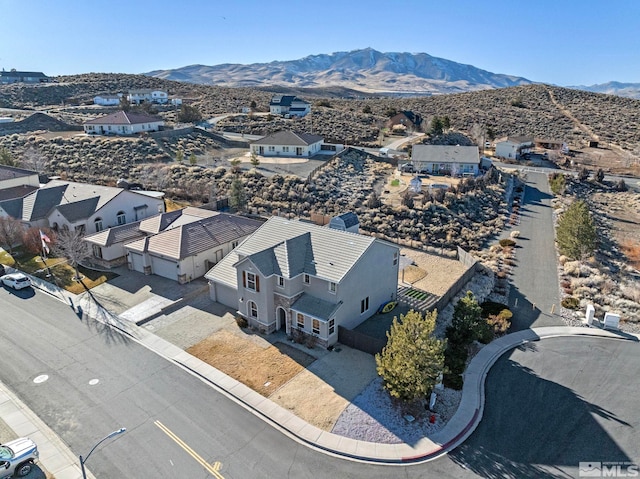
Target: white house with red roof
point(122, 123)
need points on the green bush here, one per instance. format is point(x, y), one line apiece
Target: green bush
point(455, 359)
point(506, 242)
point(453, 381)
point(570, 302)
point(557, 183)
point(491, 307)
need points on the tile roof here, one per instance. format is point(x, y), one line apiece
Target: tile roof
point(123, 118)
point(445, 154)
point(289, 247)
point(197, 236)
point(11, 172)
point(117, 234)
point(158, 223)
point(285, 137)
point(316, 307)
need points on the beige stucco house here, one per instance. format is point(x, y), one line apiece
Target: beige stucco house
point(298, 276)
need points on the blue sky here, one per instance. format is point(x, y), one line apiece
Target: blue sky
point(564, 42)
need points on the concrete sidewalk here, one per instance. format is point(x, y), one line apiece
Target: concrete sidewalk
point(461, 425)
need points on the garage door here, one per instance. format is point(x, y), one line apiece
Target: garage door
point(226, 295)
point(136, 262)
point(164, 268)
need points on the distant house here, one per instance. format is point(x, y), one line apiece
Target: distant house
point(345, 222)
point(288, 105)
point(107, 100)
point(513, 147)
point(446, 159)
point(306, 278)
point(148, 95)
point(23, 77)
point(190, 245)
point(288, 143)
point(122, 123)
point(406, 118)
point(81, 206)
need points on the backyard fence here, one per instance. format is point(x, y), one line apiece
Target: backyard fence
point(360, 341)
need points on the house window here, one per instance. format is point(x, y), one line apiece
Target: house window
point(364, 305)
point(315, 326)
point(285, 148)
point(300, 320)
point(332, 287)
point(98, 224)
point(395, 258)
point(234, 244)
point(305, 278)
point(97, 251)
point(253, 309)
point(280, 281)
point(272, 148)
point(250, 281)
point(122, 219)
point(332, 326)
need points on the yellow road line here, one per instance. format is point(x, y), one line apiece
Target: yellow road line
point(213, 470)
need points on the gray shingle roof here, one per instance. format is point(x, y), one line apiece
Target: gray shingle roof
point(312, 306)
point(445, 154)
point(198, 236)
point(285, 137)
point(79, 210)
point(39, 204)
point(12, 207)
point(11, 172)
point(16, 192)
point(13, 74)
point(122, 118)
point(326, 253)
point(350, 219)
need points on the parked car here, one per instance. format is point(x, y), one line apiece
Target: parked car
point(407, 168)
point(17, 457)
point(2, 270)
point(16, 280)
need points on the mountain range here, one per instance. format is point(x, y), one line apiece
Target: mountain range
point(365, 70)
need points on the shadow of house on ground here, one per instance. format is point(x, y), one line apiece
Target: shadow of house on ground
point(543, 420)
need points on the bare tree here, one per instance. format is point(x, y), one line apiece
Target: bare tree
point(72, 246)
point(10, 232)
point(33, 159)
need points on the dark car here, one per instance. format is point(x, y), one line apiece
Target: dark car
point(2, 270)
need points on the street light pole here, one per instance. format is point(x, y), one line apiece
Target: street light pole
point(108, 436)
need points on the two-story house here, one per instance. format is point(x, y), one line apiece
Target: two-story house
point(288, 105)
point(299, 276)
point(148, 95)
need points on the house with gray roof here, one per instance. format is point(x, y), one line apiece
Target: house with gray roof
point(14, 76)
point(513, 147)
point(306, 278)
point(345, 222)
point(288, 143)
point(288, 105)
point(190, 245)
point(122, 123)
point(81, 206)
point(452, 160)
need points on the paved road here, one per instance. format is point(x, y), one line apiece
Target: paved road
point(535, 276)
point(554, 404)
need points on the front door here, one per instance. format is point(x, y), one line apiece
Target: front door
point(261, 152)
point(281, 318)
point(298, 151)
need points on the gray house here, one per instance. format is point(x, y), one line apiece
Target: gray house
point(453, 160)
point(299, 276)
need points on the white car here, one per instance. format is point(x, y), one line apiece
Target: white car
point(17, 457)
point(16, 280)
